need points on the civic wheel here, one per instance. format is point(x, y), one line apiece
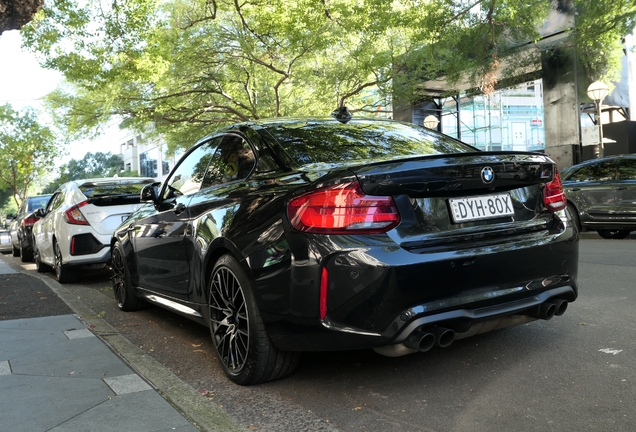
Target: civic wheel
point(62, 271)
point(122, 284)
point(39, 265)
point(613, 234)
point(238, 333)
point(574, 215)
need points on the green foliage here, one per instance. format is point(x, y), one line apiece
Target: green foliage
point(93, 165)
point(190, 66)
point(27, 151)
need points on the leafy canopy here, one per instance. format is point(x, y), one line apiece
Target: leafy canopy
point(189, 66)
point(27, 151)
point(92, 165)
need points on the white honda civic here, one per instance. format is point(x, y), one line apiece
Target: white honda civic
point(78, 223)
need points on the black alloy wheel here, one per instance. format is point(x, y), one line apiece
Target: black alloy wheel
point(613, 234)
point(62, 272)
point(122, 284)
point(238, 333)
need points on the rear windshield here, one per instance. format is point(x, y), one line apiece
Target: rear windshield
point(35, 203)
point(98, 190)
point(309, 142)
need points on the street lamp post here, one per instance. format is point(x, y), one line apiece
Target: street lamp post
point(430, 122)
point(597, 92)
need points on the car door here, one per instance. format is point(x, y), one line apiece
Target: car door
point(592, 188)
point(44, 229)
point(159, 239)
point(626, 189)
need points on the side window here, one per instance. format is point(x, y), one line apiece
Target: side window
point(56, 201)
point(233, 160)
point(594, 172)
point(187, 178)
point(627, 169)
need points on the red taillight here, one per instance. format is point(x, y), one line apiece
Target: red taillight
point(74, 216)
point(29, 221)
point(554, 198)
point(343, 209)
point(324, 283)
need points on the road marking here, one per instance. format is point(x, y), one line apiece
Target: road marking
point(610, 351)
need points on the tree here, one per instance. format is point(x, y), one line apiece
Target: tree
point(93, 165)
point(189, 66)
point(16, 13)
point(27, 151)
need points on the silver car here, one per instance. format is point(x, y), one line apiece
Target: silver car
point(601, 195)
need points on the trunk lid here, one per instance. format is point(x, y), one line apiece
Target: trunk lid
point(464, 200)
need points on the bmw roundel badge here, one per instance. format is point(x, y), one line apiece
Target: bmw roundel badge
point(487, 175)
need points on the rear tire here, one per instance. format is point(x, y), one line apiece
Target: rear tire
point(62, 271)
point(15, 251)
point(24, 255)
point(238, 333)
point(122, 283)
point(613, 234)
point(39, 265)
point(574, 215)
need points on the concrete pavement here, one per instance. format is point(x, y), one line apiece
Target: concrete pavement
point(68, 373)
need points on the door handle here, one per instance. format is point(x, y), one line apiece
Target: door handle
point(621, 188)
point(180, 208)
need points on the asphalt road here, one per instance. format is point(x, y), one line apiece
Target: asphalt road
point(572, 373)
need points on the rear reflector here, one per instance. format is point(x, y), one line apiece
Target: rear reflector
point(324, 283)
point(74, 216)
point(554, 198)
point(343, 209)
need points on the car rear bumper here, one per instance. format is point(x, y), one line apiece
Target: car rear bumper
point(378, 295)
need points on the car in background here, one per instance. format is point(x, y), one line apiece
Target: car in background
point(23, 224)
point(601, 195)
point(5, 241)
point(290, 235)
point(76, 226)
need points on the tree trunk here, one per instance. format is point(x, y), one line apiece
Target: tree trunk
point(16, 13)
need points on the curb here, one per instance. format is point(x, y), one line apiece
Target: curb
point(206, 415)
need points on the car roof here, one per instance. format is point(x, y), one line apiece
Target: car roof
point(603, 159)
point(112, 180)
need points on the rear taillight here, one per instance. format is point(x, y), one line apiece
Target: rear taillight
point(74, 216)
point(553, 197)
point(29, 221)
point(343, 209)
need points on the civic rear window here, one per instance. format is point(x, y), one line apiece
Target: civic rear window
point(359, 140)
point(93, 190)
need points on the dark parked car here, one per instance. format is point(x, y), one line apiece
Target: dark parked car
point(290, 235)
point(22, 226)
point(601, 195)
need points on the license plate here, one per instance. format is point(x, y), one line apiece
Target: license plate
point(481, 207)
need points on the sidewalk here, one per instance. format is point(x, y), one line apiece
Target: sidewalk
point(66, 373)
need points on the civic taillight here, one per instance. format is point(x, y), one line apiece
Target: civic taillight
point(74, 216)
point(343, 209)
point(29, 221)
point(553, 197)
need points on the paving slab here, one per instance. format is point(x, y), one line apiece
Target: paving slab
point(56, 375)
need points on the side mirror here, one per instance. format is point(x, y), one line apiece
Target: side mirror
point(150, 193)
point(39, 213)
